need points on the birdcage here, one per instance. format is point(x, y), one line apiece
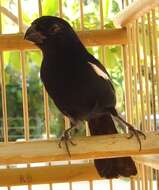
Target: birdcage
point(124, 36)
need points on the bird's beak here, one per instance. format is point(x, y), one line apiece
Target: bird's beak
point(33, 35)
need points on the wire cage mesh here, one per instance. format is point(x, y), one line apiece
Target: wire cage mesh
point(27, 113)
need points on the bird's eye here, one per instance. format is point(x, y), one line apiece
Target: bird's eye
point(55, 28)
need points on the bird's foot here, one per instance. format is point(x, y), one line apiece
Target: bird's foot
point(133, 132)
point(136, 133)
point(66, 137)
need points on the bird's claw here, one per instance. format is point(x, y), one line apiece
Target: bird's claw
point(136, 133)
point(132, 131)
point(66, 137)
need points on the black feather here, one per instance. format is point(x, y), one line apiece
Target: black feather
point(77, 89)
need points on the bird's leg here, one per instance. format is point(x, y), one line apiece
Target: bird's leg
point(66, 137)
point(132, 130)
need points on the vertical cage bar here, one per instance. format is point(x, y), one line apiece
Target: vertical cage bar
point(3, 91)
point(135, 74)
point(60, 8)
point(140, 74)
point(103, 49)
point(126, 79)
point(128, 76)
point(150, 179)
point(157, 179)
point(40, 7)
point(111, 184)
point(132, 183)
point(138, 185)
point(122, 1)
point(133, 94)
point(20, 19)
point(24, 83)
point(130, 73)
point(46, 113)
point(145, 177)
point(81, 15)
point(142, 177)
point(4, 100)
point(45, 94)
point(152, 70)
point(126, 3)
point(148, 110)
point(155, 48)
point(102, 28)
point(146, 171)
point(101, 14)
point(25, 97)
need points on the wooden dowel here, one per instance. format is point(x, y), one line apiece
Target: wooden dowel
point(146, 177)
point(3, 91)
point(132, 183)
point(138, 48)
point(89, 38)
point(101, 14)
point(138, 178)
point(111, 184)
point(86, 148)
point(25, 97)
point(4, 99)
point(48, 174)
point(81, 15)
point(24, 83)
point(150, 178)
point(135, 10)
point(40, 7)
point(155, 48)
point(46, 113)
point(135, 75)
point(146, 73)
point(20, 16)
point(126, 80)
point(143, 179)
point(130, 87)
point(153, 102)
point(60, 8)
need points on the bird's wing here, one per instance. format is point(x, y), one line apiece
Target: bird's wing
point(99, 68)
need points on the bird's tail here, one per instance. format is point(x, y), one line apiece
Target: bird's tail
point(110, 167)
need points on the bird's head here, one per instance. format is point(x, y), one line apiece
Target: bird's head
point(46, 28)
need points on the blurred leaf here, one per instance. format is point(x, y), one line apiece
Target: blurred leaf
point(106, 7)
point(115, 7)
point(50, 7)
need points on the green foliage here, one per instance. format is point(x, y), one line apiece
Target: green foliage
point(50, 7)
point(115, 7)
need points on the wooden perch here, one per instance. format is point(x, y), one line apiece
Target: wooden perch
point(48, 174)
point(89, 38)
point(116, 145)
point(135, 10)
point(61, 173)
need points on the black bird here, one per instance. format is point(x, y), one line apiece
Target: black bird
point(80, 86)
